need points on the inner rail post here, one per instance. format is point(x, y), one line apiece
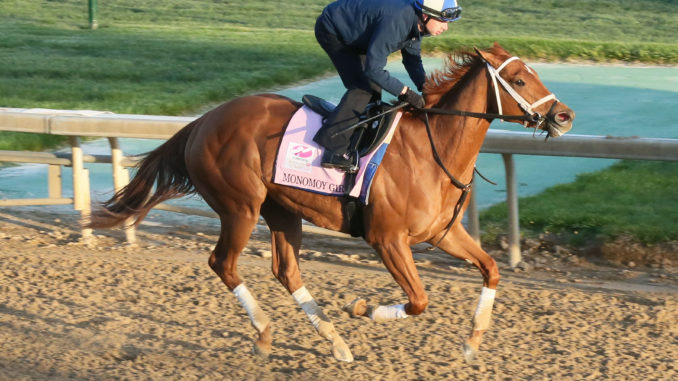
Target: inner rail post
point(54, 181)
point(512, 203)
point(81, 197)
point(120, 180)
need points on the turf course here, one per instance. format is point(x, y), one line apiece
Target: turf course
point(179, 56)
point(630, 199)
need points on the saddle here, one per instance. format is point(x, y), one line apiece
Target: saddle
point(366, 136)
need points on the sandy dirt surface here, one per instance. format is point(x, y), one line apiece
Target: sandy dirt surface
point(156, 311)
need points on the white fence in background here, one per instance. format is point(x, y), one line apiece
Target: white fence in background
point(76, 124)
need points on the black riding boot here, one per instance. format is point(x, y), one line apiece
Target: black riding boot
point(333, 134)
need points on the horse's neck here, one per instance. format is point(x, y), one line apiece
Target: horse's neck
point(458, 139)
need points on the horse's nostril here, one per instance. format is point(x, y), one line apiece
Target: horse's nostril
point(562, 117)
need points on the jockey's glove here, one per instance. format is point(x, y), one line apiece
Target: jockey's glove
point(412, 98)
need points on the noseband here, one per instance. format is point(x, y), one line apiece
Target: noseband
point(527, 107)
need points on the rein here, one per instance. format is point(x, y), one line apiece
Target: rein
point(529, 116)
point(534, 118)
point(465, 188)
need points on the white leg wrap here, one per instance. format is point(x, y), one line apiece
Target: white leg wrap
point(481, 318)
point(308, 304)
point(386, 313)
point(322, 324)
point(256, 314)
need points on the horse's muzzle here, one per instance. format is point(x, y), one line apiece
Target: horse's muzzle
point(559, 120)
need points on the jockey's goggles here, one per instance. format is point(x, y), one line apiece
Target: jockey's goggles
point(447, 15)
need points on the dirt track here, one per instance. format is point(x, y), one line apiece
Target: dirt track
point(68, 311)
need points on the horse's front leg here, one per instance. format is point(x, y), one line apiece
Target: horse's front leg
point(459, 243)
point(397, 257)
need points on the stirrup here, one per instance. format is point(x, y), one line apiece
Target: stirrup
point(355, 162)
point(331, 159)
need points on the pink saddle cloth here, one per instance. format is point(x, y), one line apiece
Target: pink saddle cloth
point(298, 160)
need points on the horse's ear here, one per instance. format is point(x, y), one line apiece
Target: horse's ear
point(498, 49)
point(488, 56)
point(480, 53)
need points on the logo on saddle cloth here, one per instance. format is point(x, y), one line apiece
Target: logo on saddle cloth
point(300, 157)
point(298, 160)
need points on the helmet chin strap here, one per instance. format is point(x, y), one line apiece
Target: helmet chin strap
point(524, 105)
point(424, 24)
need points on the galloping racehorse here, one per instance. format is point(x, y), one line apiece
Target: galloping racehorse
point(227, 156)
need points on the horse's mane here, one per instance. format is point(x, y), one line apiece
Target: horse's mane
point(457, 65)
point(440, 82)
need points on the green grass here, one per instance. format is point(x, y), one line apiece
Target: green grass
point(586, 20)
point(175, 57)
point(149, 57)
point(29, 142)
point(567, 49)
point(147, 71)
point(631, 198)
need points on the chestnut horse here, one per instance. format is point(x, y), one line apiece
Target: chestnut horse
point(227, 156)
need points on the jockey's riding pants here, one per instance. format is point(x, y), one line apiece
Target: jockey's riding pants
point(349, 63)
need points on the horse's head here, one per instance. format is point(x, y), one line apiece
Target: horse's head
point(517, 89)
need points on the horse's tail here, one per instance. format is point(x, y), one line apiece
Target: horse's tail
point(163, 167)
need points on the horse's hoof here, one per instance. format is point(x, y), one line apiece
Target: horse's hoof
point(341, 352)
point(470, 353)
point(262, 351)
point(356, 308)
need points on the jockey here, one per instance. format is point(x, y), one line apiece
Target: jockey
point(358, 36)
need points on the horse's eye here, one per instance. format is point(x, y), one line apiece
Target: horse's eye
point(520, 82)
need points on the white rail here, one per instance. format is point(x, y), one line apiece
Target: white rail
point(113, 126)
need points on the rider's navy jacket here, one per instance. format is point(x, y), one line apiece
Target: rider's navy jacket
point(378, 28)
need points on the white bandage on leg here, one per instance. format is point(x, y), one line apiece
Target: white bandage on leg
point(322, 324)
point(308, 304)
point(256, 314)
point(481, 318)
point(386, 313)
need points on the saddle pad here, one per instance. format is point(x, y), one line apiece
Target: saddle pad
point(298, 160)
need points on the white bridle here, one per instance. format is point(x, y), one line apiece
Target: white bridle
point(525, 105)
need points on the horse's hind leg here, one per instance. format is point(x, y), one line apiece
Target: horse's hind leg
point(460, 244)
point(285, 229)
point(236, 228)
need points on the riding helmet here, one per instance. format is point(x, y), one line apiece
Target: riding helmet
point(445, 10)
